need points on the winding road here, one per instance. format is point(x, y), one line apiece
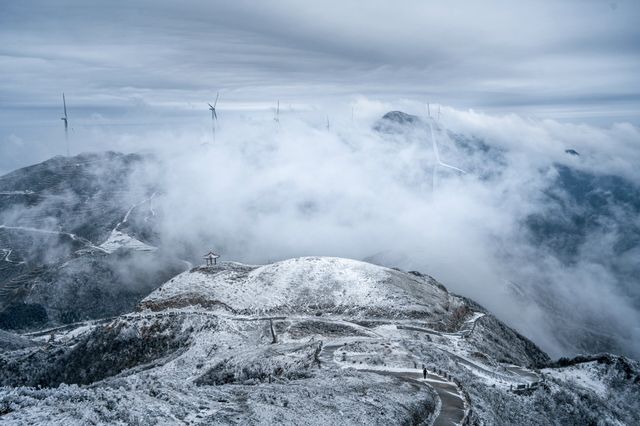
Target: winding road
point(452, 402)
point(88, 244)
point(453, 406)
point(527, 376)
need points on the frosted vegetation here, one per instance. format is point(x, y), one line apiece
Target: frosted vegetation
point(221, 345)
point(102, 327)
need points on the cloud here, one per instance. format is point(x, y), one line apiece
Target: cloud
point(575, 59)
point(262, 194)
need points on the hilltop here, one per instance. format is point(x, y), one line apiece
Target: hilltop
point(310, 285)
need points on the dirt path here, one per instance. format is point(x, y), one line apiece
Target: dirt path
point(452, 410)
point(527, 375)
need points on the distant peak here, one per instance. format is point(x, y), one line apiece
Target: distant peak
point(401, 117)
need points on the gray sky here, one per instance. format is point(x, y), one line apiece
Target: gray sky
point(127, 66)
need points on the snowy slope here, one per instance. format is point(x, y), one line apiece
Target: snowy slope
point(119, 239)
point(350, 346)
point(307, 284)
point(589, 376)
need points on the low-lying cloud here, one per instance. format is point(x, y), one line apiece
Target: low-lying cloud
point(264, 192)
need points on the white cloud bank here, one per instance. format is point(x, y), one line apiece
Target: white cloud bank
point(263, 193)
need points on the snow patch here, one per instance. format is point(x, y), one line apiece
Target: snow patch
point(118, 239)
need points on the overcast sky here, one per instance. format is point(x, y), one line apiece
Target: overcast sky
point(134, 64)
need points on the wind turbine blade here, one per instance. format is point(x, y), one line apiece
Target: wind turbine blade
point(437, 152)
point(210, 106)
point(64, 103)
point(215, 114)
point(216, 101)
point(451, 167)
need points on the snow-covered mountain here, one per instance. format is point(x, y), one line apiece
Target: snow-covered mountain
point(310, 340)
point(76, 237)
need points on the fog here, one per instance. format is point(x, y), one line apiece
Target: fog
point(263, 192)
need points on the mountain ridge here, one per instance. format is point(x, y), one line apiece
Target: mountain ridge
point(191, 350)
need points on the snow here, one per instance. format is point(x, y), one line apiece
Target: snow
point(584, 375)
point(475, 317)
point(74, 237)
point(25, 192)
point(6, 253)
point(389, 369)
point(308, 283)
point(62, 336)
point(218, 372)
point(167, 394)
point(118, 239)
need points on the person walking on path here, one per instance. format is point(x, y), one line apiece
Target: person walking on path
point(424, 372)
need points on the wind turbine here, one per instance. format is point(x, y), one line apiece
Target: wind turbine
point(66, 123)
point(328, 125)
point(276, 116)
point(214, 116)
point(436, 151)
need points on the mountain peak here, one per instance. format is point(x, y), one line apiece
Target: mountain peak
point(305, 285)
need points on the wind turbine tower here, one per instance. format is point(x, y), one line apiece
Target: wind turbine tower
point(276, 116)
point(214, 116)
point(66, 123)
